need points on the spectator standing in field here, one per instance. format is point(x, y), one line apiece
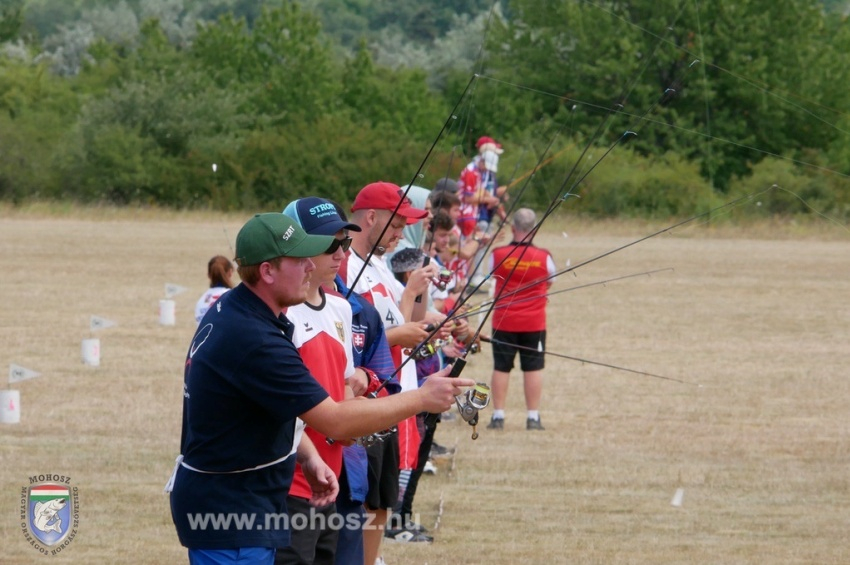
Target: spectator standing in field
point(220, 273)
point(520, 318)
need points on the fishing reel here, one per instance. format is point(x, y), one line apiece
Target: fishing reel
point(371, 439)
point(471, 402)
point(443, 280)
point(425, 350)
point(422, 351)
point(376, 438)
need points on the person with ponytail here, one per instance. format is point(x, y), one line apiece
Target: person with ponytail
point(219, 271)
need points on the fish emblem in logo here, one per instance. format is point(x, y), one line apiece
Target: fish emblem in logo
point(49, 506)
point(45, 515)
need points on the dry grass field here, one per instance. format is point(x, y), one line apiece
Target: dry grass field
point(756, 322)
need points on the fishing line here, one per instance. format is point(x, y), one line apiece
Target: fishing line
point(671, 227)
point(473, 309)
point(765, 89)
point(452, 117)
point(709, 159)
point(696, 133)
point(617, 108)
point(558, 198)
point(581, 360)
point(812, 208)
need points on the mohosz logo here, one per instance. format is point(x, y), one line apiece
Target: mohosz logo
point(50, 513)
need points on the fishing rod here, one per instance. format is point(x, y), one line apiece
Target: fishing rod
point(596, 258)
point(566, 194)
point(418, 174)
point(610, 252)
point(681, 223)
point(473, 310)
point(618, 105)
point(513, 205)
point(461, 362)
point(558, 199)
point(477, 396)
point(488, 339)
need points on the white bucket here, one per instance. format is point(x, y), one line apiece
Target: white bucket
point(91, 351)
point(10, 407)
point(166, 312)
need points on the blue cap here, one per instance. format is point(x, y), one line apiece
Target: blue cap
point(317, 216)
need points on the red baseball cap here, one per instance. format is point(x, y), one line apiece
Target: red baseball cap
point(386, 196)
point(484, 140)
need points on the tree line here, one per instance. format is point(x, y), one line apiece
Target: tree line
point(228, 104)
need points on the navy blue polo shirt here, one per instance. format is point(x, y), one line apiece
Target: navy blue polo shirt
point(244, 385)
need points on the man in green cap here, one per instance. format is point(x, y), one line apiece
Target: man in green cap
point(246, 397)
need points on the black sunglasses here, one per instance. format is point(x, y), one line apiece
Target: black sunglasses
point(343, 243)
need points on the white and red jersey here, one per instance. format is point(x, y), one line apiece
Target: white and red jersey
point(468, 185)
point(379, 286)
point(323, 338)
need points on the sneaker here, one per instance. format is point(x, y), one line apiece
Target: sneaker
point(533, 425)
point(380, 561)
point(407, 536)
point(429, 468)
point(496, 424)
point(438, 451)
point(406, 524)
point(412, 526)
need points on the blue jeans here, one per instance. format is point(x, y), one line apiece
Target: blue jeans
point(240, 556)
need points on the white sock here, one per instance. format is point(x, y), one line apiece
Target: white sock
point(498, 414)
point(534, 415)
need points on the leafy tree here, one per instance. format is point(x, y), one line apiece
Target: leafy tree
point(284, 60)
point(36, 109)
point(390, 100)
point(630, 53)
point(11, 19)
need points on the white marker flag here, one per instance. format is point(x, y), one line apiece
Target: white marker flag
point(18, 373)
point(677, 497)
point(98, 323)
point(172, 290)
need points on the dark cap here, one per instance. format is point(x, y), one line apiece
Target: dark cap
point(446, 184)
point(317, 216)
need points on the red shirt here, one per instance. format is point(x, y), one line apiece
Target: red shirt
point(524, 311)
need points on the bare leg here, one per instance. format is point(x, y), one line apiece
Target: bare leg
point(372, 536)
point(533, 384)
point(499, 389)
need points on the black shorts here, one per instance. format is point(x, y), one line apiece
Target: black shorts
point(383, 474)
point(530, 357)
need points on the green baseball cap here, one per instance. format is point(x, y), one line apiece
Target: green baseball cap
point(267, 236)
